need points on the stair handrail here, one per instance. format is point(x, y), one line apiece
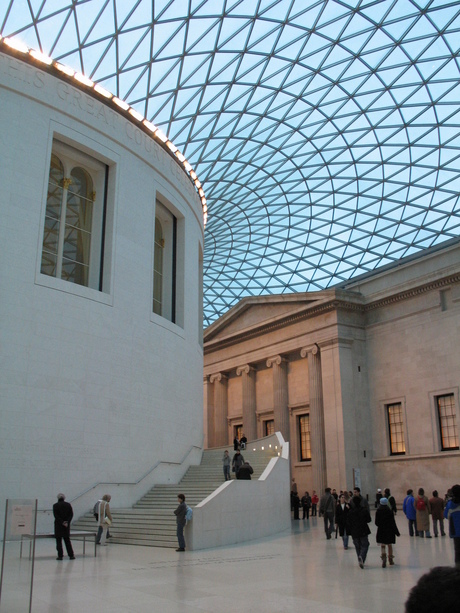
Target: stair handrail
point(144, 476)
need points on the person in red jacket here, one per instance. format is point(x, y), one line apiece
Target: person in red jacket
point(314, 503)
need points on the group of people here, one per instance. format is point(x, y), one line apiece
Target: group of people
point(241, 468)
point(307, 503)
point(63, 515)
point(348, 514)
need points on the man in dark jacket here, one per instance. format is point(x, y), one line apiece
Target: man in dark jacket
point(245, 472)
point(63, 514)
point(357, 519)
point(327, 506)
point(181, 521)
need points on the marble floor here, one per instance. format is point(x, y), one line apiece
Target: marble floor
point(298, 570)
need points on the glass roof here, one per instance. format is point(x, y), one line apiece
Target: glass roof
point(326, 133)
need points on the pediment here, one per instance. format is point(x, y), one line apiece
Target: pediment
point(254, 312)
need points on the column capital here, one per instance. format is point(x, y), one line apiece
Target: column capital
point(218, 376)
point(313, 349)
point(276, 359)
point(246, 368)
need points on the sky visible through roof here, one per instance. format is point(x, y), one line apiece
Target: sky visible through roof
point(326, 134)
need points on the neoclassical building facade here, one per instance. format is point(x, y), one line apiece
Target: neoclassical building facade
point(362, 379)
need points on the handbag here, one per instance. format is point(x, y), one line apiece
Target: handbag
point(107, 521)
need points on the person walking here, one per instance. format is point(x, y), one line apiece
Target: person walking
point(341, 513)
point(409, 512)
point(422, 514)
point(63, 514)
point(104, 520)
point(437, 513)
point(237, 462)
point(452, 514)
point(226, 466)
point(387, 531)
point(180, 513)
point(327, 506)
point(358, 519)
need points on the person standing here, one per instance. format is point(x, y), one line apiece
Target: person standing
point(378, 496)
point(236, 443)
point(387, 531)
point(314, 503)
point(180, 513)
point(63, 514)
point(327, 506)
point(409, 512)
point(341, 513)
point(243, 441)
point(437, 513)
point(452, 514)
point(306, 504)
point(105, 520)
point(358, 519)
point(422, 514)
point(226, 465)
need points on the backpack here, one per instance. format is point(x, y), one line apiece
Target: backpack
point(96, 510)
point(188, 513)
point(420, 506)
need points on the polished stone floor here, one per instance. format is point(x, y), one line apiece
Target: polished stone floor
point(298, 570)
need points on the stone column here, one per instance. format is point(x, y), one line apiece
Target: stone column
point(248, 381)
point(280, 395)
point(317, 432)
point(208, 394)
point(220, 409)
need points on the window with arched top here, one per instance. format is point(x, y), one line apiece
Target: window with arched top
point(73, 228)
point(165, 263)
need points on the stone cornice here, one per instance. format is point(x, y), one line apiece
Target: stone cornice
point(412, 293)
point(264, 328)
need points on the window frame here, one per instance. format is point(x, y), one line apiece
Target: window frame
point(98, 151)
point(299, 432)
point(389, 430)
point(437, 397)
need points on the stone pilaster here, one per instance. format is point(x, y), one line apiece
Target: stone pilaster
point(220, 409)
point(317, 431)
point(208, 394)
point(280, 395)
point(248, 381)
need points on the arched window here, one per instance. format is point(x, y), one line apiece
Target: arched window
point(165, 263)
point(73, 211)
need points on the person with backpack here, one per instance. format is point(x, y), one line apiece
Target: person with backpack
point(181, 520)
point(409, 512)
point(391, 500)
point(422, 514)
point(104, 519)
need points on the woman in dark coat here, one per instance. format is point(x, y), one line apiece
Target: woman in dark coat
point(387, 531)
point(357, 519)
point(341, 513)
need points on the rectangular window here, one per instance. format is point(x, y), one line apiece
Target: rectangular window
point(165, 263)
point(73, 237)
point(269, 427)
point(396, 428)
point(447, 422)
point(304, 437)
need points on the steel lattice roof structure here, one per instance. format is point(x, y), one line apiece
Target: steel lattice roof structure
point(326, 133)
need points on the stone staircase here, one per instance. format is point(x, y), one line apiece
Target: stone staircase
point(151, 522)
